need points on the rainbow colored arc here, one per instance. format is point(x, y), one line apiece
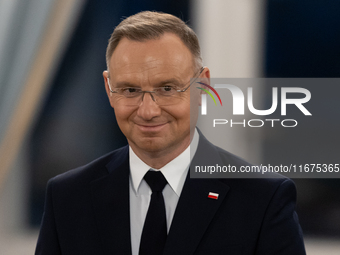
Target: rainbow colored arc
point(209, 93)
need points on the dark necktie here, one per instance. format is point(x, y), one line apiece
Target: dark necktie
point(155, 229)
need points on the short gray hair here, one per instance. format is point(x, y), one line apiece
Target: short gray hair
point(149, 25)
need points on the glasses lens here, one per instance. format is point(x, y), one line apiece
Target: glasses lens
point(168, 98)
point(130, 92)
point(160, 99)
point(166, 95)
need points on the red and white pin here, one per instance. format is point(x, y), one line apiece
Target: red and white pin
point(213, 195)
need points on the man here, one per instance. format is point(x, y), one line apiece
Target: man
point(112, 205)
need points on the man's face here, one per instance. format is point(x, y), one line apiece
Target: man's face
point(150, 127)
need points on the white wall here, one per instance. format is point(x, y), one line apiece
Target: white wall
point(231, 37)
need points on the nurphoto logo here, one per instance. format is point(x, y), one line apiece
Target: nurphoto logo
point(301, 97)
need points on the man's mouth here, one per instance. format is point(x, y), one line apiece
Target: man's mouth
point(151, 127)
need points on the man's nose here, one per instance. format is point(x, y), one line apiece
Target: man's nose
point(148, 108)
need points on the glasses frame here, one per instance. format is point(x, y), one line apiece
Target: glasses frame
point(152, 91)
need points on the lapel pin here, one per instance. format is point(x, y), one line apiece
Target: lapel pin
point(213, 195)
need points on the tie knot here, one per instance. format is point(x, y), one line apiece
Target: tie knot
point(155, 180)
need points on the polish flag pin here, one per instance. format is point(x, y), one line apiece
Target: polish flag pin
point(213, 195)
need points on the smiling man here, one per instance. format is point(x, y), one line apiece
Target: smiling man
point(156, 125)
point(140, 199)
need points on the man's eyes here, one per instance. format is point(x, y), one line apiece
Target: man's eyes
point(130, 90)
point(167, 88)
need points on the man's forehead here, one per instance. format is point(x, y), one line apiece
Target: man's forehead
point(166, 46)
point(167, 52)
point(165, 37)
point(152, 76)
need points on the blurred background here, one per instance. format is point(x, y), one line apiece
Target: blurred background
point(55, 115)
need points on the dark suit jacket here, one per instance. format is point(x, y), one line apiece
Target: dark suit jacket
point(87, 212)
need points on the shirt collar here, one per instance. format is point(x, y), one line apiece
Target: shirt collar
point(174, 172)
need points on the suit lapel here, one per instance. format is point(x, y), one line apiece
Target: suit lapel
point(110, 198)
point(195, 210)
point(193, 215)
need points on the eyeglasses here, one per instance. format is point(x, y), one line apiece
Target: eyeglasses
point(165, 95)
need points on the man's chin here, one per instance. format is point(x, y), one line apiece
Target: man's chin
point(150, 144)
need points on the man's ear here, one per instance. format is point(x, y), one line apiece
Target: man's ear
point(205, 73)
point(204, 78)
point(107, 88)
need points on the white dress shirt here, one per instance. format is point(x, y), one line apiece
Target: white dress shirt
point(175, 173)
